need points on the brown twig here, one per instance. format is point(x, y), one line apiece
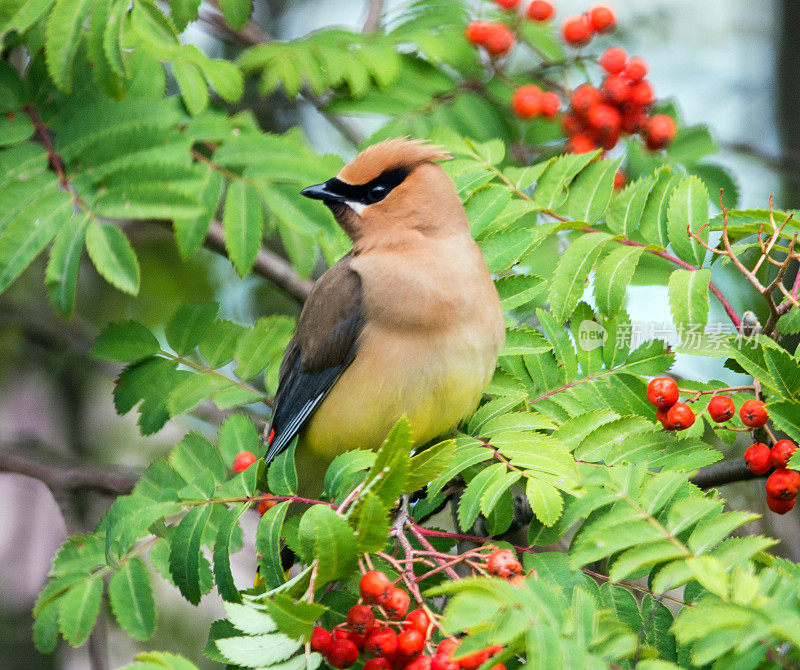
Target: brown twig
point(69, 478)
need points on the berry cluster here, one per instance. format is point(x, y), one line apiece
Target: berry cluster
point(663, 393)
point(384, 647)
point(782, 484)
point(598, 117)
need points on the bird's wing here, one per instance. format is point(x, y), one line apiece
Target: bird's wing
point(324, 344)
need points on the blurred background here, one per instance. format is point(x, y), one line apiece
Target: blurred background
point(731, 64)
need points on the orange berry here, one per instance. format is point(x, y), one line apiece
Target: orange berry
point(499, 40)
point(503, 563)
point(662, 392)
point(243, 460)
point(265, 505)
point(360, 619)
point(752, 412)
point(321, 640)
point(540, 10)
point(381, 642)
point(783, 484)
point(549, 103)
point(721, 408)
point(780, 506)
point(374, 586)
point(478, 31)
point(526, 101)
point(507, 4)
point(576, 30)
point(410, 643)
point(395, 603)
point(757, 458)
point(602, 19)
point(636, 69)
point(659, 131)
point(342, 654)
point(418, 620)
point(584, 98)
point(781, 452)
point(581, 144)
point(613, 60)
point(615, 89)
point(620, 179)
point(680, 416)
point(641, 93)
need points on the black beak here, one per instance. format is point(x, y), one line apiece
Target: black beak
point(322, 192)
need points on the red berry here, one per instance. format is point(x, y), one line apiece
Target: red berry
point(604, 118)
point(360, 619)
point(243, 460)
point(680, 416)
point(507, 4)
point(753, 413)
point(780, 506)
point(613, 60)
point(633, 119)
point(602, 19)
point(478, 658)
point(499, 666)
point(662, 392)
point(447, 647)
point(641, 93)
point(781, 452)
point(615, 89)
point(379, 663)
point(342, 654)
point(571, 125)
point(584, 98)
point(374, 586)
point(526, 101)
point(321, 640)
point(757, 458)
point(581, 144)
point(396, 603)
point(636, 69)
point(783, 484)
point(265, 505)
point(661, 415)
point(381, 642)
point(443, 662)
point(620, 179)
point(418, 620)
point(499, 40)
point(576, 30)
point(550, 103)
point(421, 662)
point(355, 638)
point(503, 563)
point(540, 10)
point(410, 643)
point(721, 408)
point(478, 31)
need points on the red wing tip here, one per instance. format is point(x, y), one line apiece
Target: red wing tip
point(271, 437)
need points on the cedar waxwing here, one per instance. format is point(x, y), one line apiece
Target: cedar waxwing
point(407, 323)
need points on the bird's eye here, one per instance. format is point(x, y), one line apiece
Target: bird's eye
point(378, 193)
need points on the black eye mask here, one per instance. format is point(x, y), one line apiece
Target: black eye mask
point(335, 190)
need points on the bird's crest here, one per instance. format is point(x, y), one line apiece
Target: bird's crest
point(399, 152)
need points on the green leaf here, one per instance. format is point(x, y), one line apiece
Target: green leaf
point(262, 345)
point(188, 326)
point(518, 290)
point(253, 651)
point(184, 555)
point(195, 456)
point(268, 536)
point(688, 300)
point(14, 129)
point(113, 256)
point(688, 207)
point(194, 389)
point(182, 12)
point(372, 524)
point(425, 466)
point(192, 85)
point(282, 473)
point(222, 550)
point(339, 472)
point(551, 186)
point(242, 222)
point(653, 226)
point(30, 232)
point(190, 232)
point(159, 660)
point(691, 144)
point(786, 417)
point(64, 26)
point(236, 434)
point(218, 346)
point(388, 475)
point(789, 323)
point(545, 501)
point(590, 193)
point(613, 276)
point(236, 12)
point(125, 341)
point(295, 619)
point(79, 608)
point(784, 369)
point(61, 276)
point(324, 536)
point(130, 517)
point(571, 273)
point(626, 208)
point(469, 506)
point(131, 597)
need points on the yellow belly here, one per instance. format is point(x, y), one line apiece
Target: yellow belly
point(435, 381)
